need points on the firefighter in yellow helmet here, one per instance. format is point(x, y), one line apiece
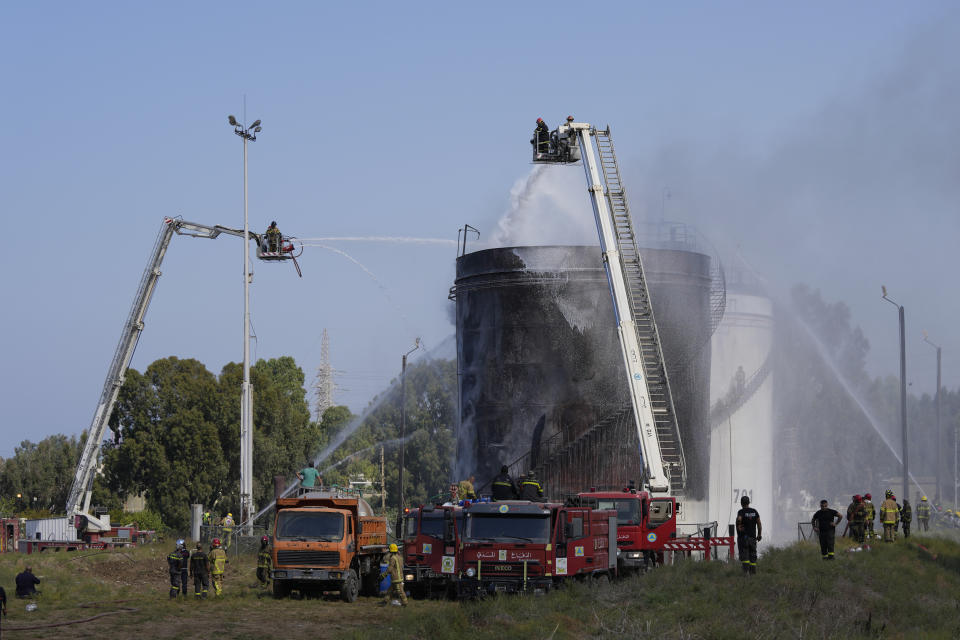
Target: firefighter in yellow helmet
point(218, 564)
point(923, 514)
point(228, 525)
point(888, 516)
point(395, 594)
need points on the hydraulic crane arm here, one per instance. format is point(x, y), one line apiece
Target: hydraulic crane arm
point(82, 486)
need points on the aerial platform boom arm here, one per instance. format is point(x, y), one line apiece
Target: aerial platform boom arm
point(79, 497)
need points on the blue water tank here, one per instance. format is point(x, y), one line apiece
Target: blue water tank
point(385, 583)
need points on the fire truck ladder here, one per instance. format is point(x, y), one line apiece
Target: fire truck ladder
point(641, 311)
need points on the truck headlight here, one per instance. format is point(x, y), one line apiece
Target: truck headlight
point(409, 576)
point(471, 572)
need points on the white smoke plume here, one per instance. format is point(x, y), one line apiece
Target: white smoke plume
point(547, 206)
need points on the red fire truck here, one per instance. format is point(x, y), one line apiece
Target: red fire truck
point(645, 524)
point(431, 538)
point(520, 546)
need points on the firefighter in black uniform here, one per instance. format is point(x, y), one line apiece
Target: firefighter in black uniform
point(504, 488)
point(749, 533)
point(179, 564)
point(825, 525)
point(200, 570)
point(263, 562)
point(906, 517)
point(541, 137)
point(530, 489)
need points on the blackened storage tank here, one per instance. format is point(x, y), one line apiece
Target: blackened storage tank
point(540, 365)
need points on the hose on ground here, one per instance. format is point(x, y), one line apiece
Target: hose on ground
point(83, 605)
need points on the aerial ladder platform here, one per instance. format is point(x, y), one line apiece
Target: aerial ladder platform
point(653, 409)
point(78, 500)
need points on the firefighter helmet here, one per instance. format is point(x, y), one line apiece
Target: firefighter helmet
point(923, 499)
point(393, 547)
point(889, 493)
point(215, 543)
point(857, 498)
point(264, 539)
point(539, 119)
point(180, 543)
point(868, 496)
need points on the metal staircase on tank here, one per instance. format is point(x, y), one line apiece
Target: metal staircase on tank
point(658, 384)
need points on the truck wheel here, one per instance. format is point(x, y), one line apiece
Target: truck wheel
point(280, 589)
point(350, 588)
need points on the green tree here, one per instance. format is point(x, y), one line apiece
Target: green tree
point(168, 446)
point(284, 437)
point(177, 434)
point(42, 473)
point(428, 439)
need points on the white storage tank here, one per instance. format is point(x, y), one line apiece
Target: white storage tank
point(741, 398)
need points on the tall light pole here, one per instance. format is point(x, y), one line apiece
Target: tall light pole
point(937, 448)
point(403, 414)
point(903, 393)
point(246, 390)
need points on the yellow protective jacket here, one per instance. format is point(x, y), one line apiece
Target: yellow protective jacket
point(395, 568)
point(888, 511)
point(466, 490)
point(218, 561)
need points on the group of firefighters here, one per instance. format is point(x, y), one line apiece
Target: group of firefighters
point(503, 487)
point(207, 567)
point(861, 516)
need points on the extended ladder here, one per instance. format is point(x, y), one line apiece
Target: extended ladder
point(653, 409)
point(641, 310)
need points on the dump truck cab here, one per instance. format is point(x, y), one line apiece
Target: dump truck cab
point(327, 541)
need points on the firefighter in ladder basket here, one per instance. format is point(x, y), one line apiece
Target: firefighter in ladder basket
point(274, 238)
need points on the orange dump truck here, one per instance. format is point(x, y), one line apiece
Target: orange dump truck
point(325, 541)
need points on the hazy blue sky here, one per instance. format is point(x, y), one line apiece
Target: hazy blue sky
point(820, 138)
